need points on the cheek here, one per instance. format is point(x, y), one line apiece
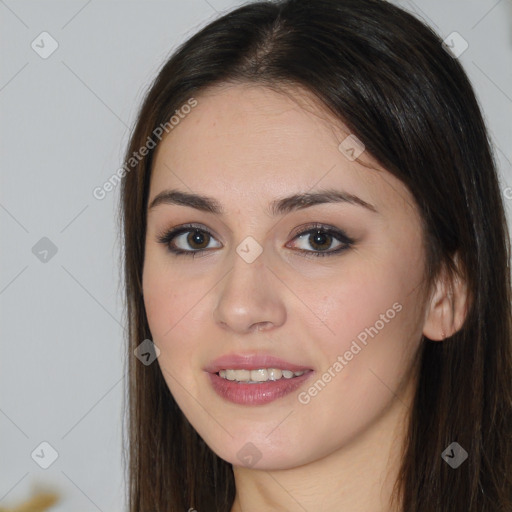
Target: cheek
point(375, 329)
point(173, 308)
point(358, 298)
point(357, 305)
point(166, 294)
point(371, 316)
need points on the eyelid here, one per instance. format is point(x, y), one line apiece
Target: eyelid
point(166, 235)
point(345, 242)
point(326, 228)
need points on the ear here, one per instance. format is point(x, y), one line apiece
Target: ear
point(447, 307)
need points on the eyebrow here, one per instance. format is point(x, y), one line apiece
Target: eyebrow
point(276, 207)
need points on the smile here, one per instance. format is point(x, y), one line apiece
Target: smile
point(255, 378)
point(260, 375)
point(257, 392)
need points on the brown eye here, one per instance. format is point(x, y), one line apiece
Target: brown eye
point(322, 241)
point(190, 240)
point(198, 239)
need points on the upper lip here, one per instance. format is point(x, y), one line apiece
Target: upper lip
point(252, 362)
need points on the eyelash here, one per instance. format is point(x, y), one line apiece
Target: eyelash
point(168, 236)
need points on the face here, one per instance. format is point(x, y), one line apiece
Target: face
point(329, 285)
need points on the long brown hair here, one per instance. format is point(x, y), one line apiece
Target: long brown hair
point(388, 78)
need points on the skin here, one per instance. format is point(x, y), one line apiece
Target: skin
point(246, 146)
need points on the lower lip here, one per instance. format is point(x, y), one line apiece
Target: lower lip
point(256, 394)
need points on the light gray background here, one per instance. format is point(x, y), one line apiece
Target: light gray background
point(64, 124)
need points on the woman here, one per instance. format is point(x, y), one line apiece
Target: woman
point(315, 243)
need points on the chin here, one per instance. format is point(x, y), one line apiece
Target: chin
point(258, 452)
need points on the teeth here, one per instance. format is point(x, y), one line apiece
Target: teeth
point(274, 374)
point(261, 375)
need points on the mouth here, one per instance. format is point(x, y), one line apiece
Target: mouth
point(255, 379)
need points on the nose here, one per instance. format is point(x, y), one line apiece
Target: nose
point(249, 298)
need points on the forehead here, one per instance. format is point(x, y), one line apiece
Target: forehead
point(247, 143)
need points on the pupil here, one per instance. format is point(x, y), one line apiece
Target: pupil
point(197, 238)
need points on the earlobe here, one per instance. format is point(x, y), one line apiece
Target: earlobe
point(446, 310)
